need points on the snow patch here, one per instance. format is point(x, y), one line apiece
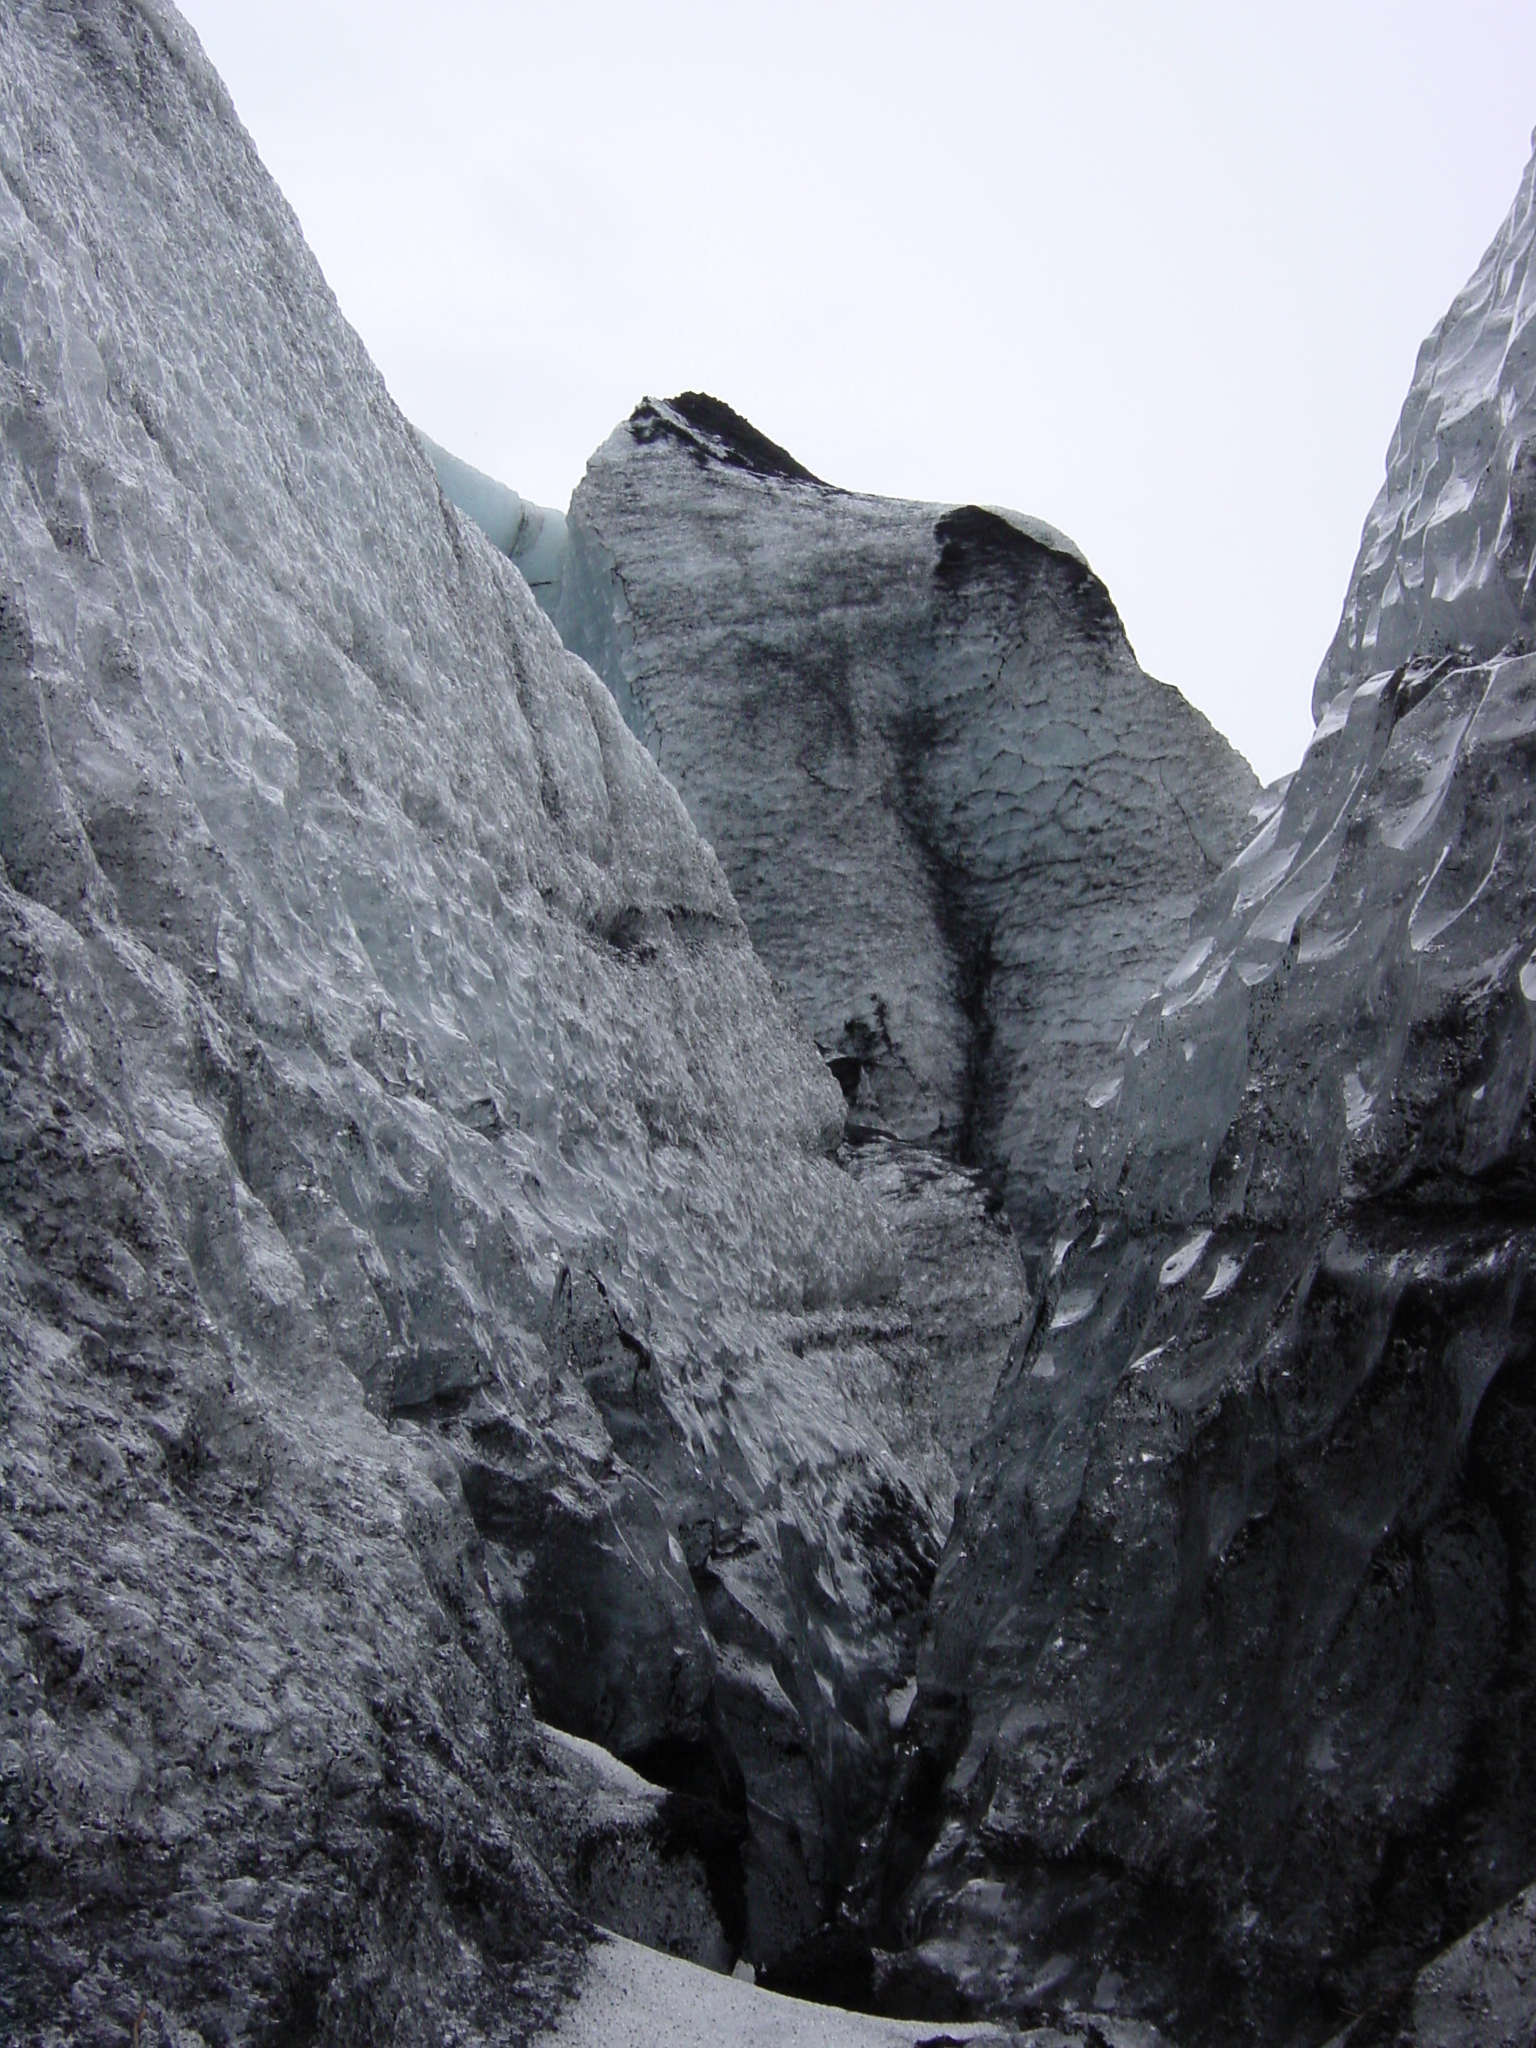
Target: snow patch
point(634, 1997)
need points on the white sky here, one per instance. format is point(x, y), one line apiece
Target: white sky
point(1156, 274)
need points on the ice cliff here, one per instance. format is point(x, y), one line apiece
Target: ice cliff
point(1224, 1712)
point(423, 1261)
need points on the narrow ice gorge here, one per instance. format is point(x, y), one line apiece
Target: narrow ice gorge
point(817, 1295)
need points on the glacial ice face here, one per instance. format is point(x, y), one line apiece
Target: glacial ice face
point(1448, 554)
point(965, 830)
point(1385, 893)
point(420, 1229)
point(1229, 1665)
point(1228, 1662)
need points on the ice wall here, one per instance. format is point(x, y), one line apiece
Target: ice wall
point(426, 1273)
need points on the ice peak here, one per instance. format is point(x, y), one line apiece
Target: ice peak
point(1446, 557)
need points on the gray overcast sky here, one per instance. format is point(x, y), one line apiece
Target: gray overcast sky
point(1156, 274)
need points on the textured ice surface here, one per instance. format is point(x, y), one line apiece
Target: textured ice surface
point(965, 830)
point(1448, 555)
point(425, 1234)
point(419, 1224)
point(1230, 1663)
point(609, 1838)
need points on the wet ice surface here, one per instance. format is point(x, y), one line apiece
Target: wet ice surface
point(1235, 1601)
point(1332, 968)
point(1229, 1597)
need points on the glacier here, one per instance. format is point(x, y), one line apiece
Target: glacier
point(532, 536)
point(1227, 1642)
point(716, 1259)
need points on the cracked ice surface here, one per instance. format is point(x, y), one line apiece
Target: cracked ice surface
point(966, 831)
